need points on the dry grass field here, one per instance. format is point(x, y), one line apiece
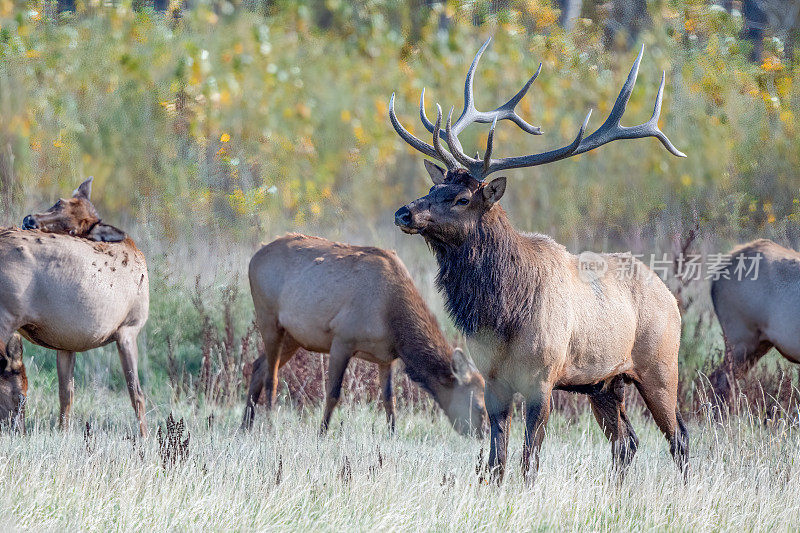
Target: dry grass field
point(745, 474)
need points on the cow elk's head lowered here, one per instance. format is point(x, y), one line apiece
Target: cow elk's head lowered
point(13, 385)
point(464, 403)
point(460, 195)
point(75, 216)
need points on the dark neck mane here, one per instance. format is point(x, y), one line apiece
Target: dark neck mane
point(419, 342)
point(488, 280)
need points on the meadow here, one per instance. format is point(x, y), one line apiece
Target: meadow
point(745, 475)
point(220, 129)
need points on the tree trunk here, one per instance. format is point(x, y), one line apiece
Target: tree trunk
point(7, 182)
point(627, 19)
point(755, 21)
point(570, 10)
point(65, 5)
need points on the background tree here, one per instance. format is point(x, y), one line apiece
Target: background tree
point(626, 19)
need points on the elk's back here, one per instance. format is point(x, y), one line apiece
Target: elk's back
point(767, 302)
point(319, 289)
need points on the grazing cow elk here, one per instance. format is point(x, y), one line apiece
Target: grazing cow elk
point(13, 385)
point(534, 318)
point(758, 308)
point(71, 283)
point(354, 301)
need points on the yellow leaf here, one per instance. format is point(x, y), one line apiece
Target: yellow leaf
point(224, 137)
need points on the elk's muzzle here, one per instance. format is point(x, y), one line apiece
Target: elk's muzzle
point(29, 222)
point(407, 220)
point(402, 217)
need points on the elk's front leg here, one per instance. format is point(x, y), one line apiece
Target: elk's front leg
point(337, 364)
point(65, 364)
point(537, 411)
point(499, 410)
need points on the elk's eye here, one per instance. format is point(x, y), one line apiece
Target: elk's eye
point(462, 201)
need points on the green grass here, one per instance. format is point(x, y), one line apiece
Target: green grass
point(744, 475)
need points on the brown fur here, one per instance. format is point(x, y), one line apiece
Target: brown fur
point(13, 385)
point(535, 323)
point(353, 301)
point(75, 216)
point(757, 314)
point(72, 294)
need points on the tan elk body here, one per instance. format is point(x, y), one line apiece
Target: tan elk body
point(74, 292)
point(534, 318)
point(353, 301)
point(757, 309)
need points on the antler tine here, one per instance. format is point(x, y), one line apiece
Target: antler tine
point(444, 156)
point(469, 114)
point(455, 145)
point(487, 157)
point(422, 116)
point(415, 143)
point(611, 130)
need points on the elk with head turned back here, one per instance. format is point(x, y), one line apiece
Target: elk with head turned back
point(72, 283)
point(535, 321)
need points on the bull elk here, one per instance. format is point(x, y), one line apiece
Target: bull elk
point(758, 309)
point(353, 301)
point(534, 320)
point(71, 283)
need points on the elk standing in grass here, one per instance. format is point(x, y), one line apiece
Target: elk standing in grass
point(353, 301)
point(757, 301)
point(71, 283)
point(534, 320)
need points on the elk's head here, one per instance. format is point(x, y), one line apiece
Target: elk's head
point(13, 385)
point(460, 195)
point(463, 402)
point(75, 216)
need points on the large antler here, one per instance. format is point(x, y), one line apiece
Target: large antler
point(611, 129)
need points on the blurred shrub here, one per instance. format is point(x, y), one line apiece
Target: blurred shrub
point(242, 119)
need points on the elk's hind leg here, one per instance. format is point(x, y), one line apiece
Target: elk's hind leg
point(387, 394)
point(129, 357)
point(265, 368)
point(743, 349)
point(65, 363)
point(660, 395)
point(608, 407)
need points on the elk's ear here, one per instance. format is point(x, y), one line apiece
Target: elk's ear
point(493, 191)
point(436, 172)
point(14, 347)
point(106, 233)
point(462, 366)
point(12, 358)
point(14, 353)
point(84, 190)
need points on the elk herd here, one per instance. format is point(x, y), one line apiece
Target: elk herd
point(533, 321)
